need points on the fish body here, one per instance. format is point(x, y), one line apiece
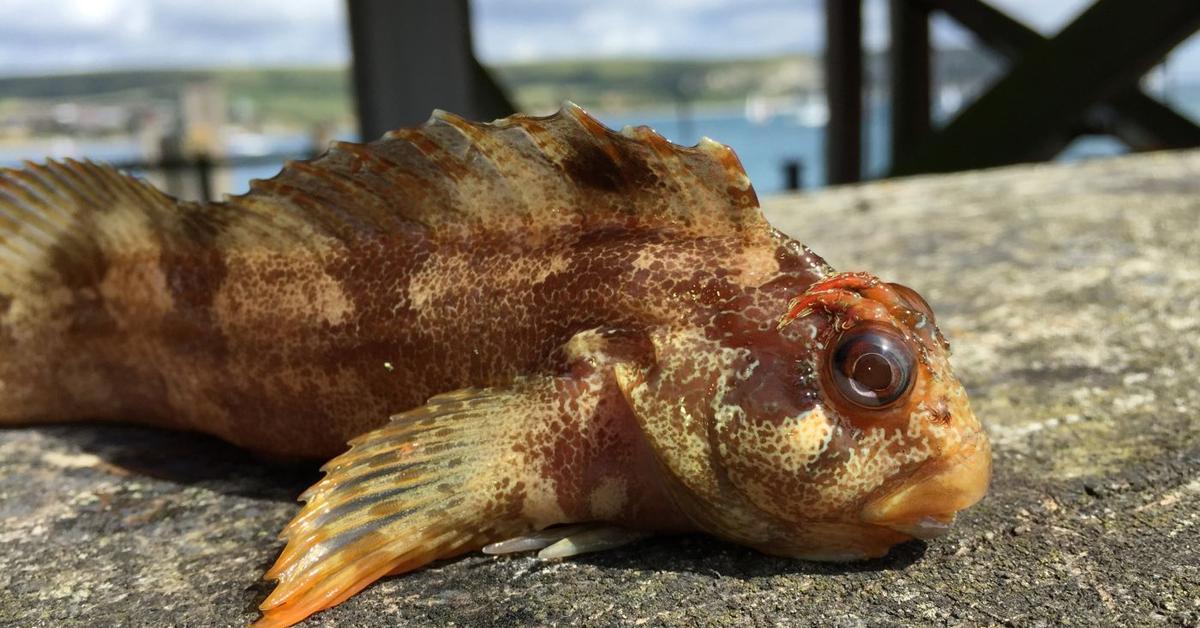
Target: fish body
point(520, 324)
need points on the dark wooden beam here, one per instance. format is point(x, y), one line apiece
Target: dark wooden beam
point(909, 78)
point(1138, 120)
point(414, 56)
point(1003, 34)
point(843, 88)
point(1105, 49)
point(1145, 123)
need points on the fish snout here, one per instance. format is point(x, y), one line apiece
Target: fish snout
point(926, 505)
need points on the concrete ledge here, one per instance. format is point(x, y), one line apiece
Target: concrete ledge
point(1071, 295)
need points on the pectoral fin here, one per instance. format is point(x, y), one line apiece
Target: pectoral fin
point(476, 467)
point(437, 481)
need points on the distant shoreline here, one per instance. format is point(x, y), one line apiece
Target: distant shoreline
point(310, 95)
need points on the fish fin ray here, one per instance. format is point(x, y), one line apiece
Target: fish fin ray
point(58, 218)
point(533, 175)
point(565, 541)
point(411, 508)
point(594, 539)
point(564, 171)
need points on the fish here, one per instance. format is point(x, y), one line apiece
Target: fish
point(535, 334)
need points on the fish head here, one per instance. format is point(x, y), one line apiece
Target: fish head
point(834, 435)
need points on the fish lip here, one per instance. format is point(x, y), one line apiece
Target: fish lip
point(926, 505)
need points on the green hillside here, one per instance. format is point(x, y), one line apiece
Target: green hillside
point(304, 96)
point(614, 84)
point(300, 96)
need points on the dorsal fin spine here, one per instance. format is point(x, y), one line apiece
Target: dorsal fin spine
point(53, 205)
point(435, 176)
point(51, 198)
point(71, 173)
point(21, 206)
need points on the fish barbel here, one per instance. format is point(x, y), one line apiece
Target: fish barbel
point(536, 334)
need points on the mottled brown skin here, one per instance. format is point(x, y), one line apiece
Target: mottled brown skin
point(292, 349)
point(607, 305)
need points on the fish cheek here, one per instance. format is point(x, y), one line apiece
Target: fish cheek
point(673, 401)
point(779, 466)
point(776, 444)
point(799, 458)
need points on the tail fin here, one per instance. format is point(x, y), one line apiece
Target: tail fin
point(58, 222)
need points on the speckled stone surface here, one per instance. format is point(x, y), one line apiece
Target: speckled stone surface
point(1071, 295)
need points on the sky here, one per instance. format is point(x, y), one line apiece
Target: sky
point(41, 37)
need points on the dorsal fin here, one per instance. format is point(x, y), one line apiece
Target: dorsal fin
point(61, 217)
point(519, 174)
point(60, 220)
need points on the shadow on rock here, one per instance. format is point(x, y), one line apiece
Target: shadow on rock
point(188, 458)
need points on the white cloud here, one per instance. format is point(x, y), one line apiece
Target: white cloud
point(610, 32)
point(83, 35)
point(1048, 17)
point(508, 30)
point(1184, 62)
point(38, 36)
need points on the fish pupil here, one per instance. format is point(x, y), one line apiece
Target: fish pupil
point(873, 371)
point(871, 367)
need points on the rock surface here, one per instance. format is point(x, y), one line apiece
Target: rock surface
point(1071, 294)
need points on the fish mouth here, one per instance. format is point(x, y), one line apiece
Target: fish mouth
point(926, 506)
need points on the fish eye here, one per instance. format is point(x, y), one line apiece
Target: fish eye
point(872, 367)
point(912, 300)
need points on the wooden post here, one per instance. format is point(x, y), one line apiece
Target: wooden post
point(204, 173)
point(793, 175)
point(170, 157)
point(909, 78)
point(843, 89)
point(1140, 121)
point(1053, 85)
point(414, 56)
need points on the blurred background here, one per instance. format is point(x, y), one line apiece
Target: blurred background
point(202, 96)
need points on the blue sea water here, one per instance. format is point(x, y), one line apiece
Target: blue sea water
point(763, 147)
